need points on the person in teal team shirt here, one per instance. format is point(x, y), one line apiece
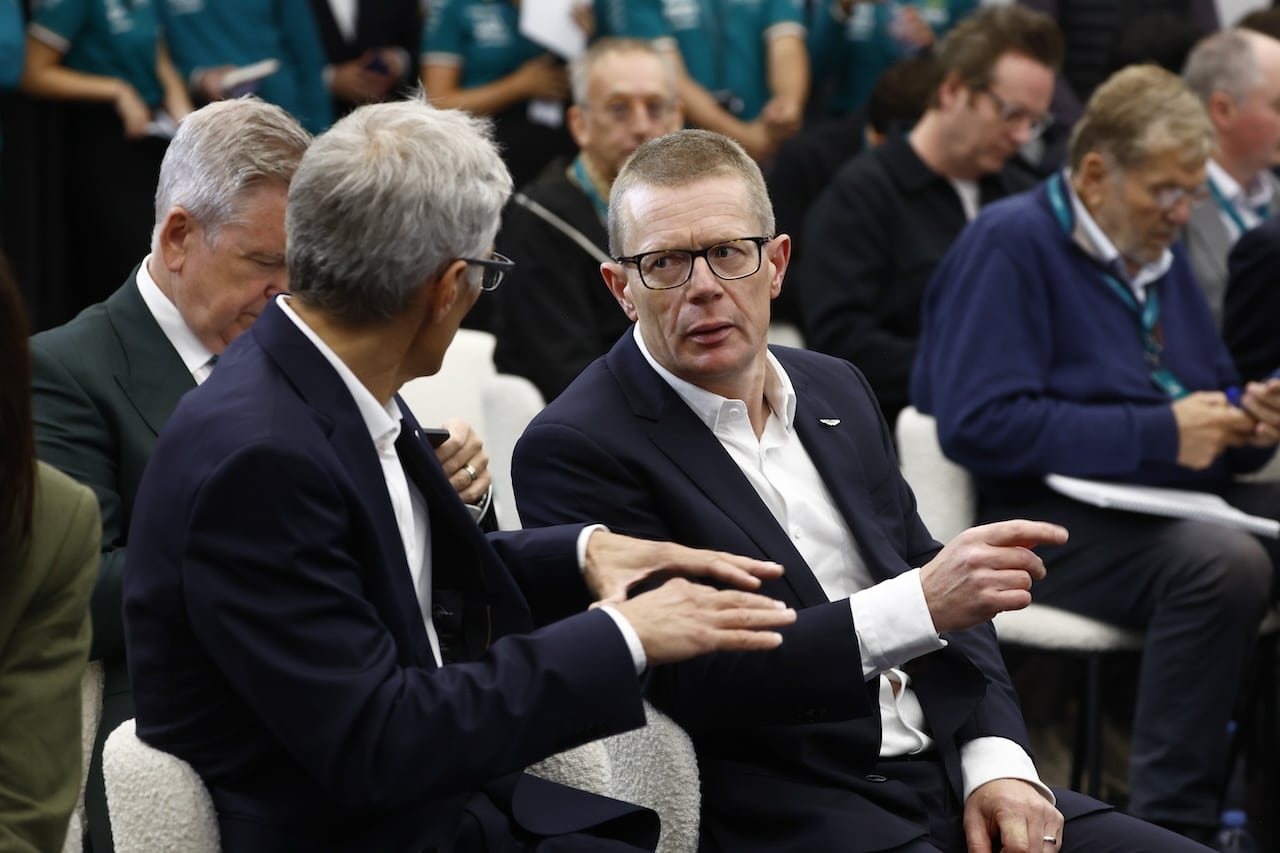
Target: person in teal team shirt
point(106, 58)
point(11, 52)
point(852, 42)
point(475, 59)
point(744, 64)
point(210, 37)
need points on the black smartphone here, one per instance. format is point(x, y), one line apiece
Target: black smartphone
point(435, 436)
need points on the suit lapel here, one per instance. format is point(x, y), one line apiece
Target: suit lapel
point(155, 378)
point(315, 380)
point(678, 433)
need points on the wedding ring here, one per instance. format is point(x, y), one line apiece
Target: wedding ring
point(1050, 839)
point(471, 472)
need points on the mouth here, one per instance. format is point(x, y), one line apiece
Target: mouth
point(709, 333)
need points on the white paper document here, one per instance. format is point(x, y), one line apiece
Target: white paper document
point(550, 23)
point(1154, 500)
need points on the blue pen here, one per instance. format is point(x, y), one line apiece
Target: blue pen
point(1233, 396)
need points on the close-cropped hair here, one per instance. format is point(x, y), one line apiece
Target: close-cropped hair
point(1140, 112)
point(679, 159)
point(385, 200)
point(17, 436)
point(223, 151)
point(580, 69)
point(1224, 62)
point(972, 48)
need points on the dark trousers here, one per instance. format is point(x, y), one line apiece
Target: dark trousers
point(1102, 831)
point(1199, 591)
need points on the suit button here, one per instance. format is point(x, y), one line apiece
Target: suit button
point(876, 777)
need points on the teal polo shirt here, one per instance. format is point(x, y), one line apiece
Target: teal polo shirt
point(723, 42)
point(481, 37)
point(111, 38)
point(208, 33)
point(855, 52)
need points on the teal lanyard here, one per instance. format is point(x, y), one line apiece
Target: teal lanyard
point(580, 173)
point(1147, 313)
point(1225, 205)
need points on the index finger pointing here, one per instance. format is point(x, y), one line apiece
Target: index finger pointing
point(1023, 532)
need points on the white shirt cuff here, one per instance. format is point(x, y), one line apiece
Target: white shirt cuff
point(893, 623)
point(583, 536)
point(480, 507)
point(629, 634)
point(986, 758)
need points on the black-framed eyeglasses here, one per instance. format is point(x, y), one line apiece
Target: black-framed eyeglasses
point(495, 267)
point(665, 269)
point(1014, 114)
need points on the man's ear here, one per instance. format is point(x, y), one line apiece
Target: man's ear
point(778, 256)
point(951, 91)
point(1092, 176)
point(177, 231)
point(447, 288)
point(577, 122)
point(615, 276)
point(1221, 109)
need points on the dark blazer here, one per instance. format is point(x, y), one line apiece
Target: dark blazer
point(1253, 301)
point(787, 740)
point(276, 642)
point(44, 644)
point(104, 385)
point(871, 243)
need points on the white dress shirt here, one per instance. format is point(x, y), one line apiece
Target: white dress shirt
point(1105, 251)
point(891, 618)
point(197, 357)
point(1244, 201)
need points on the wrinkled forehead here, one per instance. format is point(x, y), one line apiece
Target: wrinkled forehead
point(688, 215)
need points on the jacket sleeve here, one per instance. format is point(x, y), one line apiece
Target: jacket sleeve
point(273, 584)
point(72, 436)
point(40, 670)
point(561, 475)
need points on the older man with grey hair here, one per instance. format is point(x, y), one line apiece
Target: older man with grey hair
point(106, 382)
point(1064, 334)
point(1236, 74)
point(359, 665)
point(554, 316)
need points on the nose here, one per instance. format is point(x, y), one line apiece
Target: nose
point(703, 283)
point(1180, 213)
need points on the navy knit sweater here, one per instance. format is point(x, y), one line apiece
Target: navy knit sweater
point(1032, 364)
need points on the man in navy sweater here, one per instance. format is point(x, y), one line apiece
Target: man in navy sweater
point(1065, 333)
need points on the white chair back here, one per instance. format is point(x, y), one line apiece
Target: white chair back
point(156, 800)
point(499, 406)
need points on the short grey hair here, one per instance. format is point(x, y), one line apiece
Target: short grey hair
point(1227, 62)
point(385, 200)
point(580, 69)
point(1142, 112)
point(679, 159)
point(222, 152)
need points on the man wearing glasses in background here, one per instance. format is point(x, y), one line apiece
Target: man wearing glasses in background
point(1065, 333)
point(886, 720)
point(552, 316)
point(875, 236)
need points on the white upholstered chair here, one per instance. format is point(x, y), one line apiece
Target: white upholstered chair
point(947, 502)
point(91, 686)
point(157, 802)
point(499, 406)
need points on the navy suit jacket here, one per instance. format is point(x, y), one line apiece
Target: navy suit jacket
point(275, 639)
point(787, 740)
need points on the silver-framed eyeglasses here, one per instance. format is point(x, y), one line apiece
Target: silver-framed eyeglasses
point(1014, 114)
point(665, 269)
point(495, 267)
point(1169, 197)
